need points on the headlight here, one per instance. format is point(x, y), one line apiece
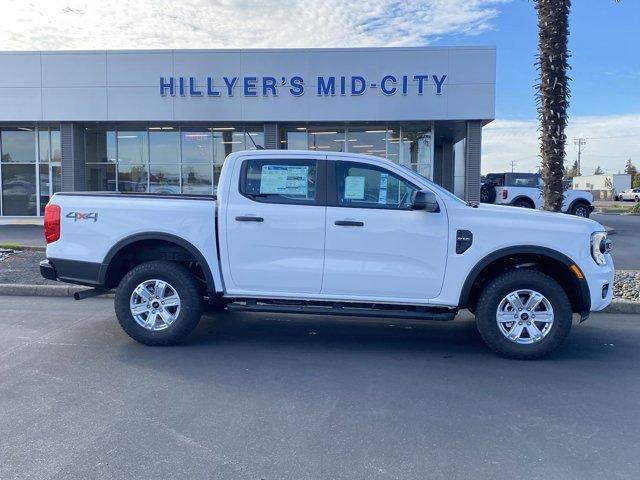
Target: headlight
point(600, 245)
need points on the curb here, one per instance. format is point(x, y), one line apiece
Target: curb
point(19, 290)
point(622, 306)
point(21, 248)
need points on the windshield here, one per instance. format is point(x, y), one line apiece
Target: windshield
point(432, 185)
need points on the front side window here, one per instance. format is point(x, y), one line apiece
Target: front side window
point(368, 186)
point(280, 181)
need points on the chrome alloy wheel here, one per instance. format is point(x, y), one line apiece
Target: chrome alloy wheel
point(155, 304)
point(524, 316)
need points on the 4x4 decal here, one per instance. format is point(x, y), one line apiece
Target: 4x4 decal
point(83, 216)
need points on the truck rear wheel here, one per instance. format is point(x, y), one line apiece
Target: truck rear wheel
point(524, 314)
point(158, 303)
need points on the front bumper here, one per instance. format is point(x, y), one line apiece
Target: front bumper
point(600, 280)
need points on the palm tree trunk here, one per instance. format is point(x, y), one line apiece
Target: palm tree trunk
point(553, 95)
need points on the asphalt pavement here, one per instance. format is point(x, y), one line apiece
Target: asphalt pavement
point(626, 240)
point(254, 396)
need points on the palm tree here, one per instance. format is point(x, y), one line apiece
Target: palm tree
point(553, 95)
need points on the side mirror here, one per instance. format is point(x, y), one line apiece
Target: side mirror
point(424, 200)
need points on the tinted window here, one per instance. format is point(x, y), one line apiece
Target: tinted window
point(368, 186)
point(281, 181)
point(522, 180)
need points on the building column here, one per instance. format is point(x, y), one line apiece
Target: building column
point(472, 161)
point(72, 157)
point(271, 140)
point(447, 166)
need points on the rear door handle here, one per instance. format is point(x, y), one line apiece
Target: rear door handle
point(349, 223)
point(248, 218)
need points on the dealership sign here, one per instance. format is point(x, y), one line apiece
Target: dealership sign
point(296, 86)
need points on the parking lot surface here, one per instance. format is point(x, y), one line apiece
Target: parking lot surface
point(272, 397)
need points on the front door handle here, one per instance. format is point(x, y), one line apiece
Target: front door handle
point(348, 223)
point(248, 218)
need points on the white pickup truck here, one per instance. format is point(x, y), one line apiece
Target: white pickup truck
point(525, 190)
point(334, 234)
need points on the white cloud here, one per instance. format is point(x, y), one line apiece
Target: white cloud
point(611, 140)
point(129, 24)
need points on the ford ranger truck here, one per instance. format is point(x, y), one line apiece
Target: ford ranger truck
point(330, 234)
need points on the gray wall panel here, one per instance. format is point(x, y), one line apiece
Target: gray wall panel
point(472, 161)
point(80, 85)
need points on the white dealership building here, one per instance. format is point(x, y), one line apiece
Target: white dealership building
point(164, 120)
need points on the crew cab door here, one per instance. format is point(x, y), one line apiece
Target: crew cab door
point(376, 246)
point(274, 225)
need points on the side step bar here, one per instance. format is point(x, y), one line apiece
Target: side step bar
point(345, 309)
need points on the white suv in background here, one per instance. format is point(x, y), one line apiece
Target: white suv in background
point(525, 190)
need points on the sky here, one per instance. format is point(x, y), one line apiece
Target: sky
point(605, 85)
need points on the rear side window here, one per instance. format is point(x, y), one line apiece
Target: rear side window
point(280, 181)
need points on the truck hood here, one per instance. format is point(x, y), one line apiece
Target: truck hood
point(536, 219)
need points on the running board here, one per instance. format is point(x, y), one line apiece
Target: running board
point(344, 309)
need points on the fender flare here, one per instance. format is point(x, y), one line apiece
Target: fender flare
point(206, 269)
point(584, 295)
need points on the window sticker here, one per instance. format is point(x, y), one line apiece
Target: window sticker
point(284, 180)
point(382, 194)
point(354, 188)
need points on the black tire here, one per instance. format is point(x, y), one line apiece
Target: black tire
point(506, 283)
point(184, 284)
point(522, 204)
point(487, 193)
point(580, 209)
point(637, 198)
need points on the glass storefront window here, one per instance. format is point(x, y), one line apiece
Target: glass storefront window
point(164, 146)
point(19, 194)
point(44, 145)
point(257, 134)
point(56, 148)
point(326, 139)
point(226, 140)
point(197, 146)
point(393, 144)
point(132, 178)
point(100, 177)
point(415, 147)
point(133, 147)
point(164, 178)
point(19, 145)
point(369, 140)
point(100, 146)
point(196, 179)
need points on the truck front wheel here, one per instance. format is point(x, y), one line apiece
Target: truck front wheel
point(158, 303)
point(523, 314)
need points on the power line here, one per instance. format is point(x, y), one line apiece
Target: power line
point(579, 142)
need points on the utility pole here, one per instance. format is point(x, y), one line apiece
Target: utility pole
point(580, 142)
point(513, 163)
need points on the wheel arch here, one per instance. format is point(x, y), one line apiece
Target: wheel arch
point(524, 198)
point(121, 246)
point(576, 202)
point(555, 264)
